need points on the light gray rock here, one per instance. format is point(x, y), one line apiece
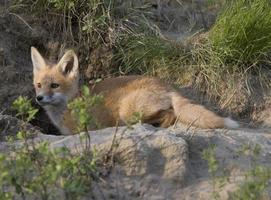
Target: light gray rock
point(233, 161)
point(141, 151)
point(156, 163)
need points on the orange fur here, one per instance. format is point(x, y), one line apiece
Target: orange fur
point(159, 103)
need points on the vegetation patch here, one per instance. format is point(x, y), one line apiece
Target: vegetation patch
point(38, 171)
point(228, 64)
point(242, 33)
point(140, 53)
point(233, 58)
point(255, 182)
point(34, 169)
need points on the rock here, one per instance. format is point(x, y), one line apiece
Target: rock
point(141, 151)
point(233, 161)
point(156, 163)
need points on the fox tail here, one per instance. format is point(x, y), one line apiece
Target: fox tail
point(198, 115)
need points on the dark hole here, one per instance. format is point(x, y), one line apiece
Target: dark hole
point(156, 124)
point(44, 123)
point(154, 6)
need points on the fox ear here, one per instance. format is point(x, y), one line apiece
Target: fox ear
point(68, 64)
point(37, 60)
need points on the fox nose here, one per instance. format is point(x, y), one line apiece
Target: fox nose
point(39, 98)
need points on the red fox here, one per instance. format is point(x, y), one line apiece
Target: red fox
point(160, 104)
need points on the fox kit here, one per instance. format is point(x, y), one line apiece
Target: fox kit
point(160, 104)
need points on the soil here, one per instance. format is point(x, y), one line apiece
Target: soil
point(16, 38)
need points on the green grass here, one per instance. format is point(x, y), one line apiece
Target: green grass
point(233, 61)
point(147, 53)
point(242, 33)
point(225, 65)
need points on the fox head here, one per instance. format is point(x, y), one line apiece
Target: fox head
point(55, 84)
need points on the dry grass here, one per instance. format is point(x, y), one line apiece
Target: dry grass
point(228, 65)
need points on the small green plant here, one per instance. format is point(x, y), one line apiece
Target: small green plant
point(135, 118)
point(35, 170)
point(255, 185)
point(26, 112)
point(24, 108)
point(43, 172)
point(63, 4)
point(256, 179)
point(218, 180)
point(80, 108)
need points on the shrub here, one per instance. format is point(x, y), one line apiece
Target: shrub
point(218, 180)
point(34, 169)
point(80, 109)
point(115, 37)
point(75, 19)
point(42, 173)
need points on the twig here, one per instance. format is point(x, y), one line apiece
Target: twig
point(191, 124)
point(113, 144)
point(18, 16)
point(228, 100)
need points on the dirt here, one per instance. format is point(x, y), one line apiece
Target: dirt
point(16, 38)
point(178, 19)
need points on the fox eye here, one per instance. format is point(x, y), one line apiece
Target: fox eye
point(54, 85)
point(39, 85)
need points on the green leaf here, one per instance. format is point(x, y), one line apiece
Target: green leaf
point(20, 135)
point(85, 90)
